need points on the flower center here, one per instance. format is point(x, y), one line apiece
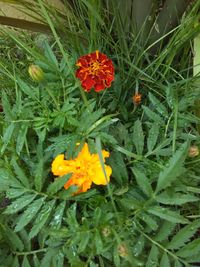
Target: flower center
point(94, 67)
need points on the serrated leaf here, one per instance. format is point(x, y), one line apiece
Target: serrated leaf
point(152, 260)
point(20, 174)
point(175, 199)
point(184, 235)
point(7, 136)
point(172, 169)
point(50, 55)
point(12, 238)
point(119, 170)
point(177, 264)
point(98, 242)
point(158, 105)
point(29, 213)
point(167, 214)
point(142, 182)
point(15, 192)
point(165, 261)
point(15, 262)
point(41, 218)
point(21, 138)
point(19, 204)
point(58, 215)
point(85, 237)
point(190, 250)
point(151, 222)
point(138, 247)
point(58, 260)
point(152, 137)
point(152, 115)
point(25, 262)
point(165, 231)
point(38, 179)
point(26, 88)
point(58, 184)
point(36, 261)
point(138, 137)
point(7, 179)
point(4, 180)
point(7, 107)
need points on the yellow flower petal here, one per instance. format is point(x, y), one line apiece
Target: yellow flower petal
point(99, 177)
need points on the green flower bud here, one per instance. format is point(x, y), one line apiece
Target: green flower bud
point(36, 73)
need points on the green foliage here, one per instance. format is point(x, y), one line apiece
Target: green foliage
point(148, 215)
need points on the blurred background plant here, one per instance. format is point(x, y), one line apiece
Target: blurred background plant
point(149, 214)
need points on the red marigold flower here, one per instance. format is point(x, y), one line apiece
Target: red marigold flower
point(95, 70)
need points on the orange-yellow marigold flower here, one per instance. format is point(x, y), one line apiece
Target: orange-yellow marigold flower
point(85, 168)
point(95, 70)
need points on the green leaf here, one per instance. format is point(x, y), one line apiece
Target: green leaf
point(58, 260)
point(177, 264)
point(184, 235)
point(38, 180)
point(29, 214)
point(142, 182)
point(6, 179)
point(165, 261)
point(173, 169)
point(19, 204)
point(151, 222)
point(139, 246)
point(42, 218)
point(85, 237)
point(158, 105)
point(50, 55)
point(152, 260)
point(58, 184)
point(15, 262)
point(98, 242)
point(138, 137)
point(7, 136)
point(58, 215)
point(190, 250)
point(152, 115)
point(11, 238)
point(165, 231)
point(175, 198)
point(26, 88)
point(167, 214)
point(20, 174)
point(15, 192)
point(152, 137)
point(119, 170)
point(21, 138)
point(7, 107)
point(25, 262)
point(36, 261)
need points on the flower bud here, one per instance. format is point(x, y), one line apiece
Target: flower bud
point(193, 151)
point(123, 250)
point(106, 231)
point(137, 99)
point(36, 73)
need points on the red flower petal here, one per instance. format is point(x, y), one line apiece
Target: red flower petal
point(88, 84)
point(99, 87)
